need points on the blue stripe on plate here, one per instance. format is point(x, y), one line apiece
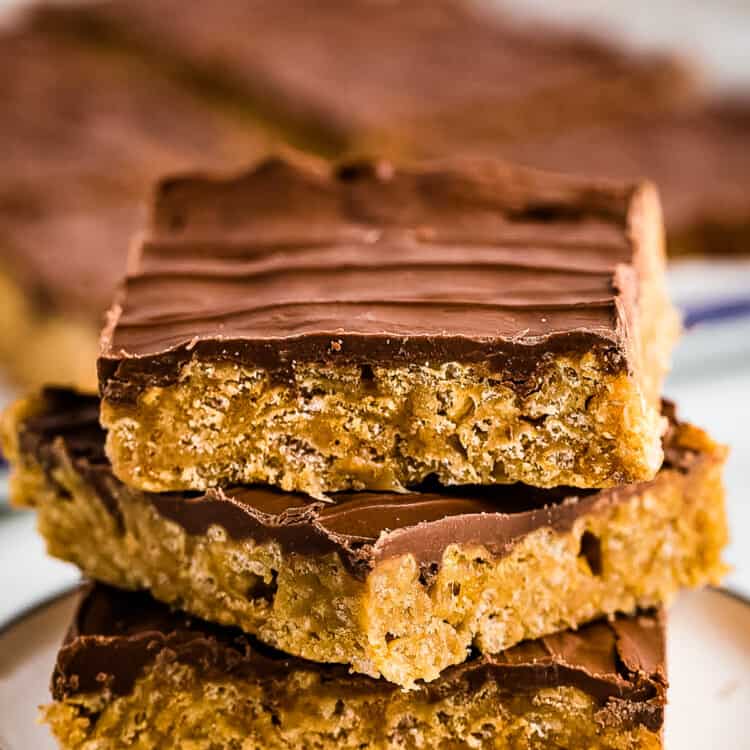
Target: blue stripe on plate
point(731, 309)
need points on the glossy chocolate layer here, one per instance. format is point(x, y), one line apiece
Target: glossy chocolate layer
point(84, 132)
point(116, 635)
point(367, 73)
point(470, 261)
point(363, 528)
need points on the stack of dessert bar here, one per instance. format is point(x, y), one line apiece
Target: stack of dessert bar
point(387, 449)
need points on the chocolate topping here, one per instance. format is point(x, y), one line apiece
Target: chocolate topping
point(116, 635)
point(363, 528)
point(470, 261)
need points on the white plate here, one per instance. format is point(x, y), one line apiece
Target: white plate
point(709, 666)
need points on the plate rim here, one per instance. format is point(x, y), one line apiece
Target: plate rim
point(29, 610)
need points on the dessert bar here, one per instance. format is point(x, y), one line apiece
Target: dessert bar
point(367, 327)
point(132, 674)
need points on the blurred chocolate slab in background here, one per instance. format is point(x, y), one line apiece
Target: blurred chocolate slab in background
point(699, 159)
point(382, 75)
point(84, 131)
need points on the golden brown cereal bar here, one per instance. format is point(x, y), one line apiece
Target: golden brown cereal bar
point(134, 676)
point(369, 327)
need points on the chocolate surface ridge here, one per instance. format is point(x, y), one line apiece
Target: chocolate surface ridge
point(470, 261)
point(116, 635)
point(363, 528)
